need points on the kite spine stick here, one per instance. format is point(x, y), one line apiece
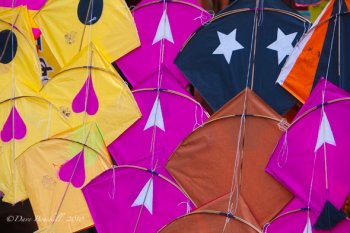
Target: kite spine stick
point(86, 20)
point(143, 204)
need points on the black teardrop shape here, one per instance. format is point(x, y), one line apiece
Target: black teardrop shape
point(90, 11)
point(8, 41)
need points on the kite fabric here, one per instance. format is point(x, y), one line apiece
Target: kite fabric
point(24, 121)
point(163, 27)
point(323, 51)
point(213, 218)
point(134, 199)
point(69, 26)
point(167, 118)
point(203, 164)
point(297, 215)
point(53, 172)
point(314, 167)
point(89, 89)
point(18, 61)
point(31, 4)
point(231, 51)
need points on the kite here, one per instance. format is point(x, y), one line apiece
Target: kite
point(167, 118)
point(245, 45)
point(213, 217)
point(163, 27)
point(31, 4)
point(134, 199)
point(23, 111)
point(18, 59)
point(69, 26)
point(89, 89)
point(24, 120)
point(314, 166)
point(203, 164)
point(53, 172)
point(323, 51)
point(301, 218)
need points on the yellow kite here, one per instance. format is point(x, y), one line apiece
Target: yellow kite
point(69, 26)
point(18, 58)
point(24, 121)
point(25, 117)
point(54, 171)
point(89, 89)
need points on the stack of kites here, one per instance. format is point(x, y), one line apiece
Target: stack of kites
point(99, 126)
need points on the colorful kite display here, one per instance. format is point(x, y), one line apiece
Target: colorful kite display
point(69, 26)
point(163, 27)
point(55, 169)
point(134, 199)
point(204, 162)
point(323, 51)
point(89, 153)
point(167, 118)
point(89, 89)
point(248, 40)
point(314, 166)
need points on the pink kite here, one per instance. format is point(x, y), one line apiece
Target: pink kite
point(167, 118)
point(133, 199)
point(163, 27)
point(312, 158)
point(31, 4)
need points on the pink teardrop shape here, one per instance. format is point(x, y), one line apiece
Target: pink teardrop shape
point(19, 130)
point(78, 104)
point(73, 170)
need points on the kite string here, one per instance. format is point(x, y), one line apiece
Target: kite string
point(188, 205)
point(234, 180)
point(48, 128)
point(68, 184)
point(143, 202)
point(322, 125)
point(13, 104)
point(159, 84)
point(323, 101)
point(91, 3)
point(113, 184)
point(283, 154)
point(261, 15)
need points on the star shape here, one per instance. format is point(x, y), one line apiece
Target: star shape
point(283, 44)
point(228, 44)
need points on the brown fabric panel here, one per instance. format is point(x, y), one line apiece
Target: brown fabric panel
point(203, 222)
point(203, 163)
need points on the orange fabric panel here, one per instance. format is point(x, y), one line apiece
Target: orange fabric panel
point(301, 78)
point(203, 164)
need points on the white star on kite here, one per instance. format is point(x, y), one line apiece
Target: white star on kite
point(228, 44)
point(283, 44)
